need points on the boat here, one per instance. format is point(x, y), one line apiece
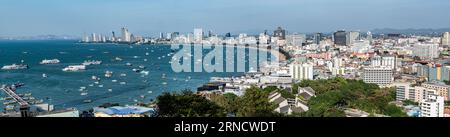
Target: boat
point(9, 102)
point(52, 61)
point(128, 64)
point(142, 67)
point(136, 70)
point(75, 68)
point(147, 54)
point(118, 59)
point(144, 72)
point(44, 75)
point(123, 75)
point(135, 57)
point(114, 80)
point(94, 78)
point(15, 67)
point(100, 86)
point(84, 94)
point(123, 83)
point(87, 101)
point(108, 74)
point(145, 59)
point(9, 107)
point(110, 90)
point(92, 62)
point(163, 76)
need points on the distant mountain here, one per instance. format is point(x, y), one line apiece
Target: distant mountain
point(410, 31)
point(42, 37)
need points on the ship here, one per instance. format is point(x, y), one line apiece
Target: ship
point(15, 67)
point(92, 62)
point(75, 68)
point(52, 61)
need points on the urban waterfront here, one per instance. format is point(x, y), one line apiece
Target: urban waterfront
point(62, 88)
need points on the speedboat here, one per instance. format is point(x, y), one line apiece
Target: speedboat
point(92, 62)
point(75, 68)
point(15, 67)
point(52, 61)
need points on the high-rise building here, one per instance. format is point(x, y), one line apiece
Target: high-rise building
point(175, 35)
point(113, 36)
point(385, 61)
point(445, 40)
point(228, 35)
point(126, 36)
point(381, 76)
point(426, 50)
point(370, 37)
point(94, 37)
point(198, 35)
point(280, 33)
point(85, 38)
point(352, 36)
point(318, 38)
point(301, 71)
point(340, 38)
point(296, 39)
point(441, 89)
point(433, 106)
point(161, 35)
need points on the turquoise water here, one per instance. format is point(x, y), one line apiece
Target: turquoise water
point(62, 88)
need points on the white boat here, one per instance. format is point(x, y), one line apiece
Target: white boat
point(100, 86)
point(110, 90)
point(92, 62)
point(142, 67)
point(114, 81)
point(118, 59)
point(108, 74)
point(144, 72)
point(15, 67)
point(94, 78)
point(75, 68)
point(123, 83)
point(128, 64)
point(51, 61)
point(44, 75)
point(84, 94)
point(147, 54)
point(136, 70)
point(123, 75)
point(135, 57)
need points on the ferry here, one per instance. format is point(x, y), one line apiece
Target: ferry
point(75, 68)
point(52, 61)
point(93, 62)
point(15, 67)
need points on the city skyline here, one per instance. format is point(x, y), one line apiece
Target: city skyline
point(151, 17)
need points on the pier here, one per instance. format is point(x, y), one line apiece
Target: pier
point(24, 106)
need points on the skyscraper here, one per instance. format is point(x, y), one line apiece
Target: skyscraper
point(126, 36)
point(198, 35)
point(369, 37)
point(280, 33)
point(317, 38)
point(352, 36)
point(228, 34)
point(445, 39)
point(340, 38)
point(426, 50)
point(113, 36)
point(300, 71)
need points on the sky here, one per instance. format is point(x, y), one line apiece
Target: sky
point(149, 17)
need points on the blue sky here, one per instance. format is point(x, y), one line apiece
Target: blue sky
point(149, 17)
